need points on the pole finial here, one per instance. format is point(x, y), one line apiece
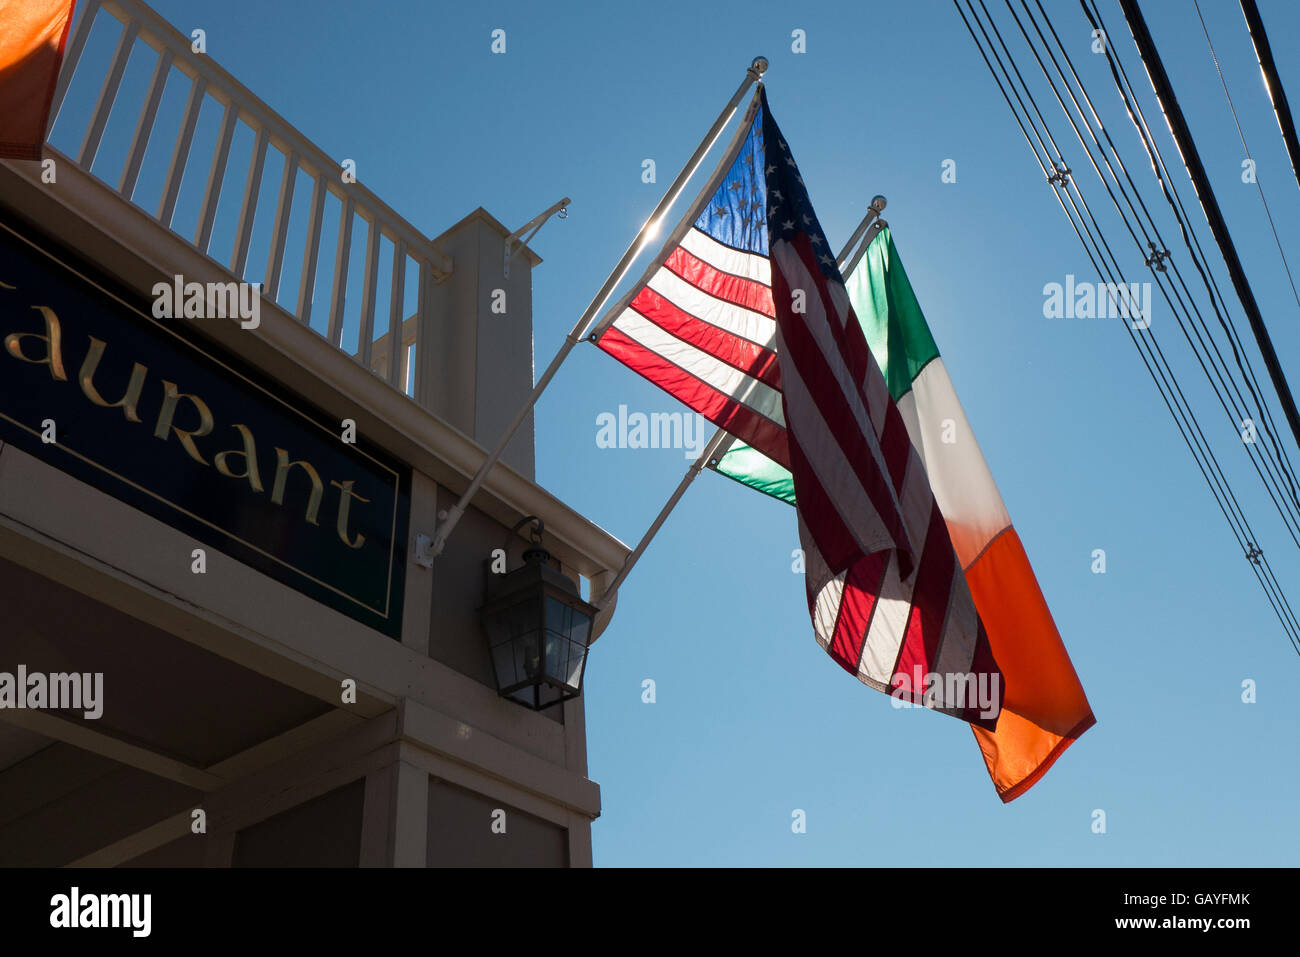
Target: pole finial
point(758, 67)
point(878, 203)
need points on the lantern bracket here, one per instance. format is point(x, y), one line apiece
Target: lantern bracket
point(423, 552)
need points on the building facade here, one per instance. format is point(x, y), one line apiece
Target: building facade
point(220, 643)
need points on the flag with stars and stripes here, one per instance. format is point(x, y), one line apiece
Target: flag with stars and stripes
point(1044, 708)
point(744, 317)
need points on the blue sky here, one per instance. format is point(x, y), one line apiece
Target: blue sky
point(752, 720)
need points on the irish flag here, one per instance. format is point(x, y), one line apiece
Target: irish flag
point(1044, 708)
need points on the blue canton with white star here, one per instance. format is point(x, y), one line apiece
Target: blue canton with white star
point(789, 210)
point(736, 215)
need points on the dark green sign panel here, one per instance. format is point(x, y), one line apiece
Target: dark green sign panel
point(150, 413)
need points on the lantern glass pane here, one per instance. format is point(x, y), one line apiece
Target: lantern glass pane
point(523, 617)
point(503, 662)
point(557, 653)
point(513, 637)
point(581, 628)
point(527, 657)
point(558, 615)
point(559, 618)
point(577, 658)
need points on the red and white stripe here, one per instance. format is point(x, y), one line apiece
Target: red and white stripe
point(885, 592)
point(703, 328)
point(886, 614)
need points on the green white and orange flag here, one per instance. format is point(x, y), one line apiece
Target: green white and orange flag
point(1044, 708)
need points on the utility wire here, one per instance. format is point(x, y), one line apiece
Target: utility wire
point(1178, 128)
point(1155, 362)
point(1252, 550)
point(1176, 405)
point(1154, 262)
point(1246, 149)
point(1273, 83)
point(1193, 244)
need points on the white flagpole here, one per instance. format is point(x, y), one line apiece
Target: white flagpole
point(711, 449)
point(870, 225)
point(646, 234)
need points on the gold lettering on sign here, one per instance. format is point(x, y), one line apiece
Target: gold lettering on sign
point(171, 398)
point(53, 340)
point(236, 463)
point(249, 453)
point(129, 399)
point(282, 467)
point(346, 495)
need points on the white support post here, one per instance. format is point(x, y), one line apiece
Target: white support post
point(280, 231)
point(144, 125)
point(216, 177)
point(107, 95)
point(396, 319)
point(71, 57)
point(366, 337)
point(342, 256)
point(248, 209)
point(181, 152)
point(307, 280)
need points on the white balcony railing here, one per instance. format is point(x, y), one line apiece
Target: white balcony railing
point(142, 32)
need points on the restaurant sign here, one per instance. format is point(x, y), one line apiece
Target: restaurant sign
point(149, 412)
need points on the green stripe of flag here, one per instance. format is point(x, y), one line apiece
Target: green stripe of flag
point(891, 317)
point(896, 332)
point(750, 467)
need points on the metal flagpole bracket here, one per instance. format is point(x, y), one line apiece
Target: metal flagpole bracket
point(514, 243)
point(423, 553)
point(872, 223)
point(447, 523)
point(599, 326)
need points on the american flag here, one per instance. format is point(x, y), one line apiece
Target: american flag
point(744, 318)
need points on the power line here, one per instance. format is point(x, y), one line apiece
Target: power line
point(1251, 548)
point(1273, 82)
point(1252, 551)
point(1196, 170)
point(1190, 239)
point(1286, 508)
point(1153, 358)
point(1246, 149)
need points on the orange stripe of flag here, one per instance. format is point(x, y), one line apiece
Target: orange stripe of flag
point(1044, 709)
